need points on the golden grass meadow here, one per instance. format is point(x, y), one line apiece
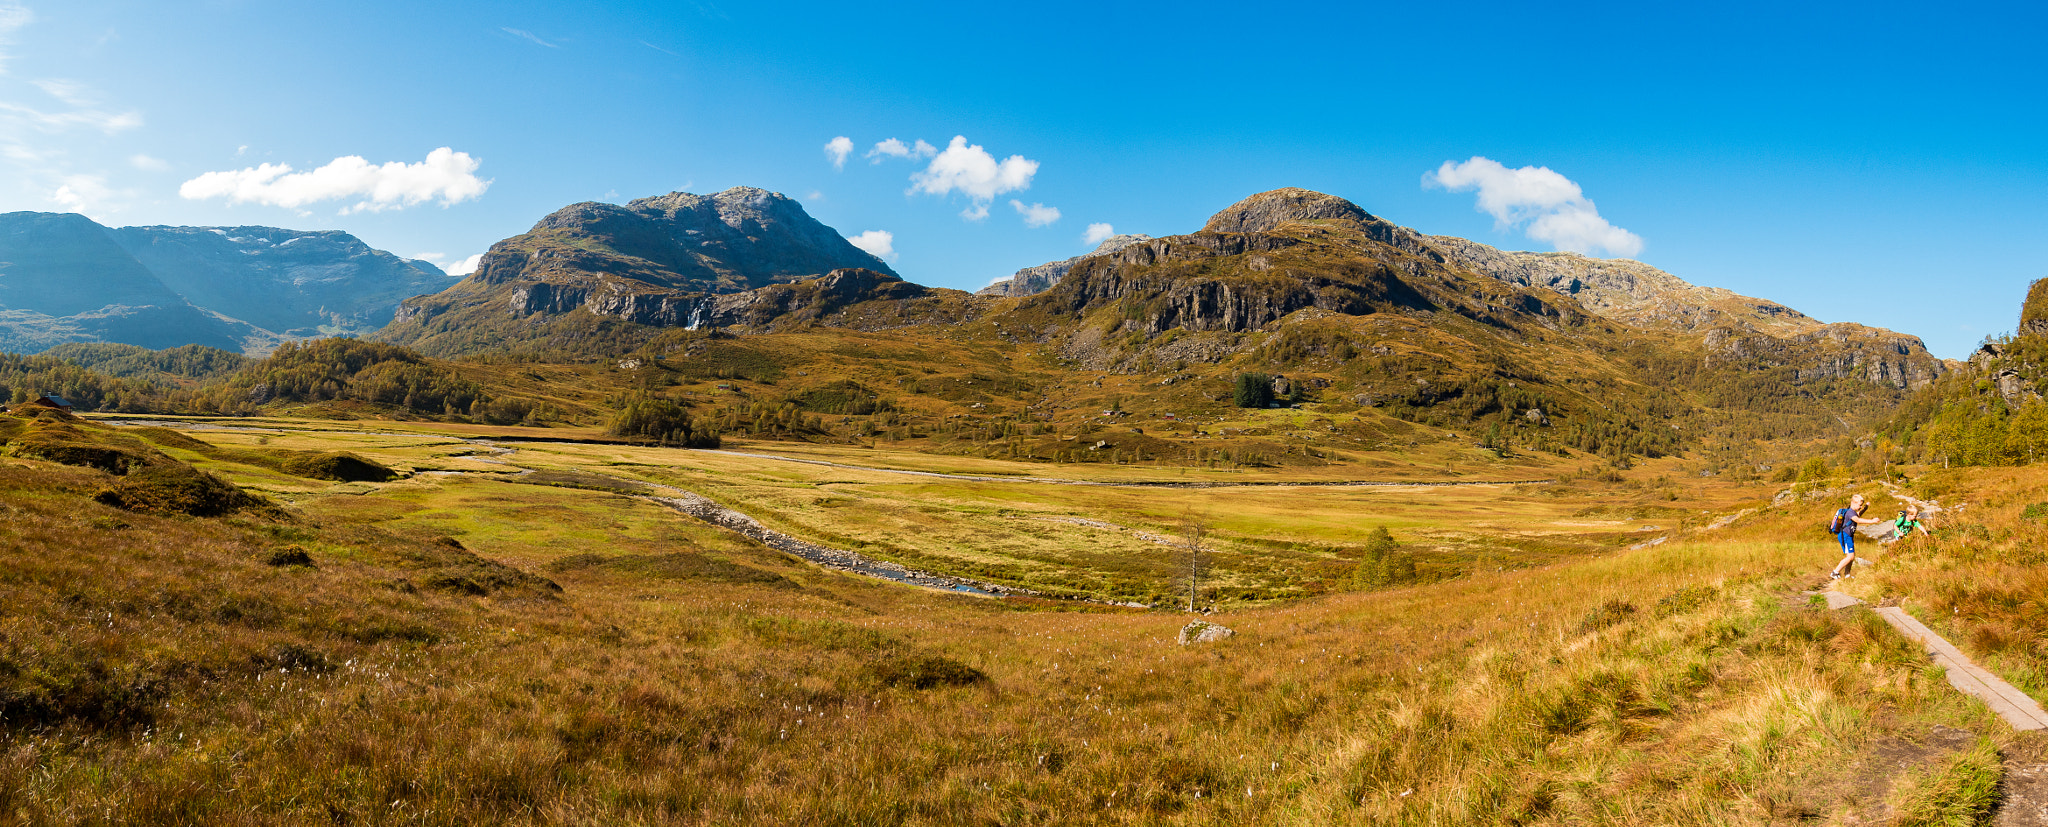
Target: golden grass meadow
point(517, 632)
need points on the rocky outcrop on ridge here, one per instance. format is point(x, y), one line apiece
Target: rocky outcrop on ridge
point(833, 297)
point(1034, 280)
point(2034, 313)
point(1836, 351)
point(1266, 211)
point(1733, 327)
point(1626, 290)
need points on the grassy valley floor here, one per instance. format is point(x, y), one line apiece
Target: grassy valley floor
point(522, 638)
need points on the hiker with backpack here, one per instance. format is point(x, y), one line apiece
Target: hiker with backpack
point(1843, 526)
point(1909, 521)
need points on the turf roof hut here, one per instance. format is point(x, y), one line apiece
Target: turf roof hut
point(48, 400)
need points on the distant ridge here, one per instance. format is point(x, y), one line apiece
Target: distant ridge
point(1042, 277)
point(66, 278)
point(63, 278)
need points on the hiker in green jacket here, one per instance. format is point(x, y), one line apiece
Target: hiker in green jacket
point(1909, 521)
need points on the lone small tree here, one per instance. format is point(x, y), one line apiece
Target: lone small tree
point(1382, 564)
point(1194, 533)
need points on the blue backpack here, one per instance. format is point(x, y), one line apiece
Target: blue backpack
point(1840, 522)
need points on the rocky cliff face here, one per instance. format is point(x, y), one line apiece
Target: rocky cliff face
point(1732, 327)
point(293, 283)
point(1034, 280)
point(1836, 351)
point(1628, 291)
point(63, 278)
point(659, 262)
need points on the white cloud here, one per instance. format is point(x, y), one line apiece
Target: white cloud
point(148, 163)
point(13, 16)
point(1552, 207)
point(878, 243)
point(78, 109)
point(465, 266)
point(893, 148)
point(82, 193)
point(972, 171)
point(529, 36)
point(446, 175)
point(1097, 233)
point(837, 149)
point(94, 119)
point(816, 195)
point(1036, 214)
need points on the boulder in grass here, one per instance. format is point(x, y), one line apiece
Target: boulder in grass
point(1202, 631)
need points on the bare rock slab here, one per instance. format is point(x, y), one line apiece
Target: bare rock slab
point(1202, 631)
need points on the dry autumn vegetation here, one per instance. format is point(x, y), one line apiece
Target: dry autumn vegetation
point(511, 632)
point(350, 583)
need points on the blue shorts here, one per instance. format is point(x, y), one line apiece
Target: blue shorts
point(1848, 539)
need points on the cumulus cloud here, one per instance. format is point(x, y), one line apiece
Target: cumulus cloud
point(894, 148)
point(460, 267)
point(465, 266)
point(1036, 214)
point(148, 163)
point(837, 149)
point(1097, 233)
point(971, 171)
point(878, 243)
point(446, 175)
point(1547, 206)
point(82, 193)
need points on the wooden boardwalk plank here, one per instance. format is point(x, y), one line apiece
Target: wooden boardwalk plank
point(2016, 707)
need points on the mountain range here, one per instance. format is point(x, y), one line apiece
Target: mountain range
point(1289, 282)
point(66, 278)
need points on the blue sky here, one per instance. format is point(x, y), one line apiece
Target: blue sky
point(1858, 162)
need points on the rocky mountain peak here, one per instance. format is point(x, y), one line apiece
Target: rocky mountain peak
point(1267, 210)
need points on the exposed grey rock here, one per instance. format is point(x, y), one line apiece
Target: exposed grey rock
point(1627, 290)
point(1042, 277)
point(1732, 326)
point(1266, 211)
point(1202, 631)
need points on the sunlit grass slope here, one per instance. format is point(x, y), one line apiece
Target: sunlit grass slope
point(396, 653)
